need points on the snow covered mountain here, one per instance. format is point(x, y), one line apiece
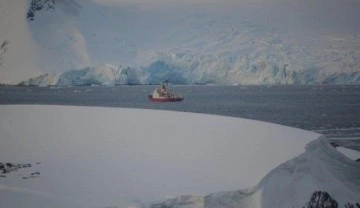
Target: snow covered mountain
point(321, 177)
point(286, 43)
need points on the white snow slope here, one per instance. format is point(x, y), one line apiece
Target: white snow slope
point(98, 157)
point(227, 42)
point(320, 168)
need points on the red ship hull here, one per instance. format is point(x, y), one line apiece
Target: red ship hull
point(165, 99)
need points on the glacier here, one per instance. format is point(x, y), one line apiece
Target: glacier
point(107, 75)
point(159, 72)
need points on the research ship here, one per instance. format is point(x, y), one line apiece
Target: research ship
point(164, 94)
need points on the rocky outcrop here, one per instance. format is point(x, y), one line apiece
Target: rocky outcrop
point(8, 168)
point(3, 50)
point(321, 199)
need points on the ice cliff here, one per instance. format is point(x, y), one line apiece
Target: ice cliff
point(159, 71)
point(103, 75)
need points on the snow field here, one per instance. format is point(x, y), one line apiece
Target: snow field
point(96, 157)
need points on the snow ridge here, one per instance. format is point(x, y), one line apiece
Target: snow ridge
point(295, 183)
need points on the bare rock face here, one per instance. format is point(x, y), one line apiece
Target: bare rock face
point(3, 50)
point(322, 199)
point(37, 5)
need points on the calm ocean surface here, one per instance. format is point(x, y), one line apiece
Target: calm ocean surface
point(330, 110)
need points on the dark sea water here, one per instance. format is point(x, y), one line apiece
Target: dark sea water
point(330, 110)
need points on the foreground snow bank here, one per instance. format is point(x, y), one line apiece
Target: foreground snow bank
point(320, 177)
point(97, 157)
